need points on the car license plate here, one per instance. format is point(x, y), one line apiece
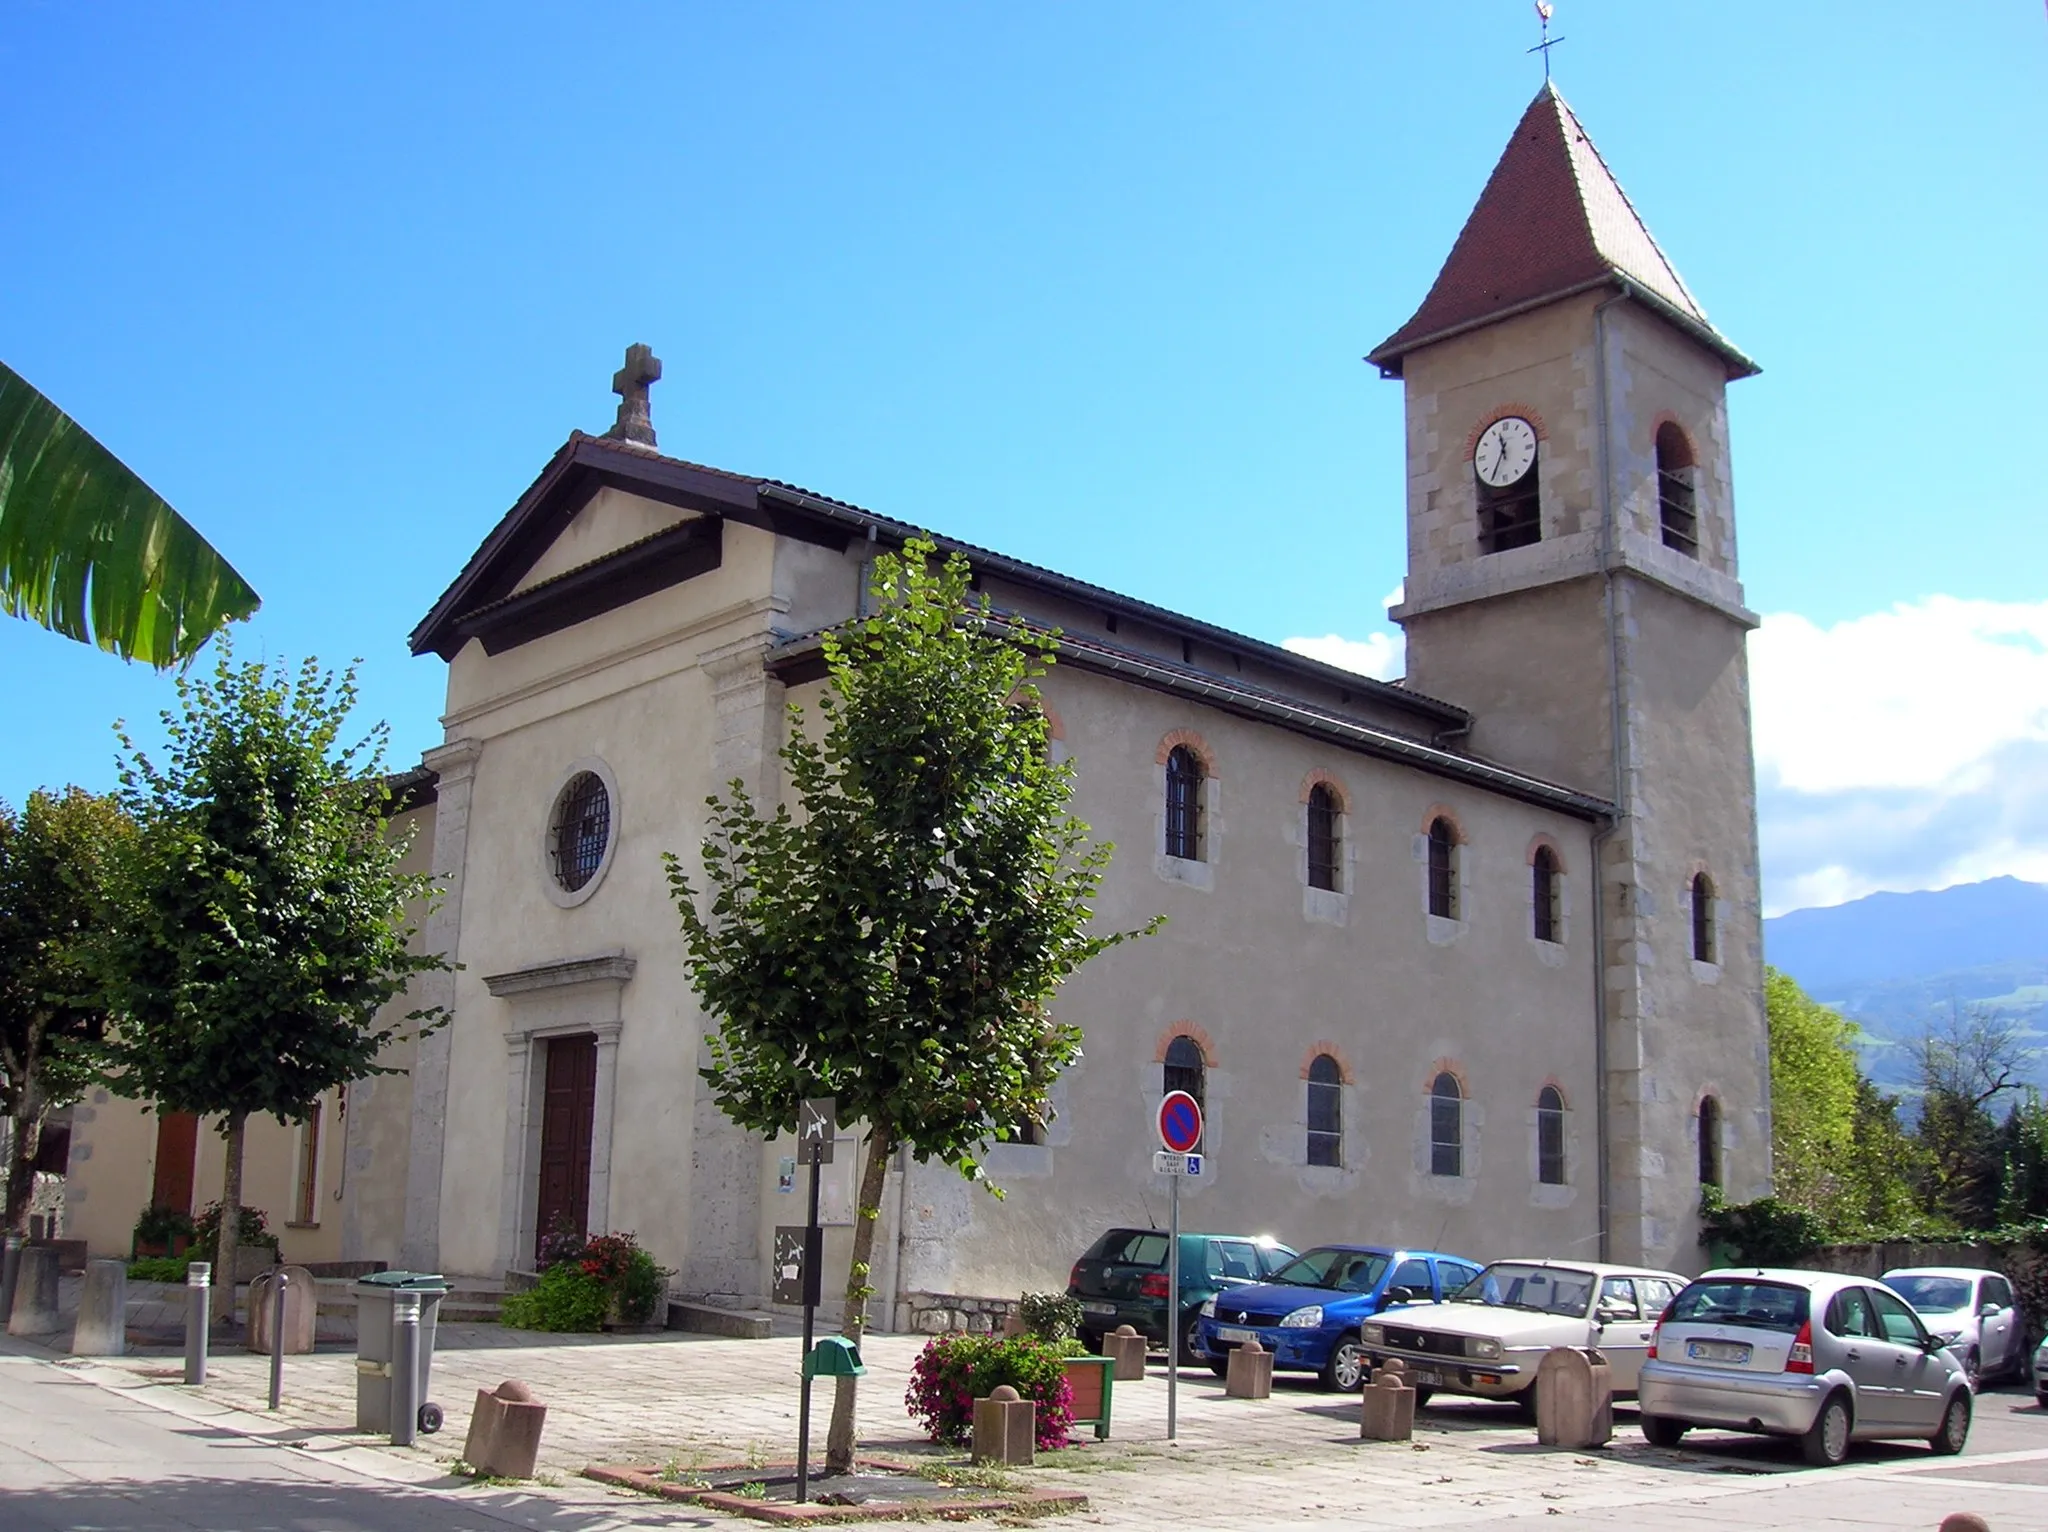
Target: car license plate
point(1098, 1308)
point(1716, 1351)
point(1240, 1336)
point(1425, 1377)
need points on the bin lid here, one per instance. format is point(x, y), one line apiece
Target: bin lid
point(408, 1279)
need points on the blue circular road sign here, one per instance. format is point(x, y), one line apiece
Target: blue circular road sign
point(1180, 1122)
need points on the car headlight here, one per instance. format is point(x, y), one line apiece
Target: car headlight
point(1304, 1319)
point(1373, 1335)
point(1208, 1308)
point(1486, 1350)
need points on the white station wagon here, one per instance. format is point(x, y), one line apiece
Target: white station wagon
point(1488, 1338)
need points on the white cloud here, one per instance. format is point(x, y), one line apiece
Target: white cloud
point(1378, 655)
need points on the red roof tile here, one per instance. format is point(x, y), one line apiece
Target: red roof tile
point(1552, 221)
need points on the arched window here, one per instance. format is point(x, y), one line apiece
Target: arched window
point(1702, 918)
point(1677, 502)
point(1186, 1071)
point(1504, 471)
point(1543, 893)
point(1323, 837)
point(1325, 1111)
point(1183, 804)
point(1710, 1141)
point(1446, 1126)
point(1550, 1136)
point(1443, 869)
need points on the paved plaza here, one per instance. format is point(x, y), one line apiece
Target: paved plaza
point(1293, 1460)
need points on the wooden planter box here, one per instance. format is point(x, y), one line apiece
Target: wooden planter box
point(176, 1246)
point(1092, 1378)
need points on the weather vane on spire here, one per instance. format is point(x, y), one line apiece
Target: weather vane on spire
point(1544, 11)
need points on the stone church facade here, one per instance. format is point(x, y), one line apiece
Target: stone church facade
point(1472, 960)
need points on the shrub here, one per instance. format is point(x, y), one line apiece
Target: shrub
point(566, 1298)
point(255, 1229)
point(157, 1268)
point(563, 1242)
point(954, 1370)
point(628, 1273)
point(1765, 1232)
point(164, 1226)
point(1051, 1316)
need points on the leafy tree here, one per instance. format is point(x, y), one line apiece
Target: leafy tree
point(262, 920)
point(1963, 1064)
point(54, 861)
point(1813, 1094)
point(90, 551)
point(897, 943)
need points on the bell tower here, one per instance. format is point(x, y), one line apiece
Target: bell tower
point(1572, 581)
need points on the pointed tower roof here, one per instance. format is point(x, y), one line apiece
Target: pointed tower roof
point(1552, 222)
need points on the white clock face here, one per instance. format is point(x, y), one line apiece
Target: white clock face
point(1506, 451)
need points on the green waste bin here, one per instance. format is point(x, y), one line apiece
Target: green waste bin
point(374, 1346)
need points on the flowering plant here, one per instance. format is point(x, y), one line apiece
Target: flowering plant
point(954, 1370)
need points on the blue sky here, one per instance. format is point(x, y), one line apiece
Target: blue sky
point(1086, 284)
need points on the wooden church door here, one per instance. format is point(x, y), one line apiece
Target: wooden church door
point(567, 1112)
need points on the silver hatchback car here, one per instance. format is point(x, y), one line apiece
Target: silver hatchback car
point(1818, 1356)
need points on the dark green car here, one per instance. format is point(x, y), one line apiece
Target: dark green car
point(1122, 1280)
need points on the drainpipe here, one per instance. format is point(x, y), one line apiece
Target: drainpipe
point(900, 1300)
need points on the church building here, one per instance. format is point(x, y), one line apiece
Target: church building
point(1471, 960)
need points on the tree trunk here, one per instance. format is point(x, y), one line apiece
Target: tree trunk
point(839, 1440)
point(27, 1136)
point(230, 1220)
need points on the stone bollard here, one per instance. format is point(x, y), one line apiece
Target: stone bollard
point(504, 1431)
point(1005, 1428)
point(102, 1311)
point(1126, 1348)
point(301, 1310)
point(10, 1268)
point(35, 1293)
point(1964, 1521)
point(1387, 1405)
point(1574, 1399)
point(1250, 1372)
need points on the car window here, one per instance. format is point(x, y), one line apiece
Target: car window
point(1849, 1316)
point(1455, 1274)
point(1933, 1295)
point(1130, 1247)
point(1273, 1257)
point(1899, 1323)
point(1758, 1305)
point(1240, 1259)
point(1657, 1293)
point(1544, 1289)
point(1412, 1274)
point(1997, 1290)
point(1618, 1299)
point(1350, 1271)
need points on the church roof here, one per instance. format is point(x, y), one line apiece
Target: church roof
point(1552, 222)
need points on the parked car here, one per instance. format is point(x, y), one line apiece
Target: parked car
point(1122, 1281)
point(1309, 1314)
point(1818, 1356)
point(1488, 1338)
point(2041, 1375)
point(1973, 1305)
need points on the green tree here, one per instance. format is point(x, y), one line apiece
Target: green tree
point(1963, 1065)
point(897, 943)
point(54, 861)
point(1814, 1080)
point(90, 551)
point(262, 921)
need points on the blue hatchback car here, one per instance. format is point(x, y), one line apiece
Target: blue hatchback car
point(1308, 1312)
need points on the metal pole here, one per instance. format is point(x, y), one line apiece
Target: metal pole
point(811, 1285)
point(198, 1301)
point(277, 1281)
point(1173, 1311)
point(10, 1270)
point(405, 1367)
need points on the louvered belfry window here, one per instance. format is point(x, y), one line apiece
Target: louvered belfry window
point(581, 829)
point(1677, 497)
point(1443, 869)
point(1183, 804)
point(1323, 837)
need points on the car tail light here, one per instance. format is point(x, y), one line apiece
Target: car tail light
point(1074, 1277)
point(1152, 1286)
point(1658, 1331)
point(1800, 1357)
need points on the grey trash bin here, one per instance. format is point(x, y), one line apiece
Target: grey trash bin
point(374, 1346)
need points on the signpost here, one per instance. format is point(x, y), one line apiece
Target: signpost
point(1180, 1130)
point(816, 1128)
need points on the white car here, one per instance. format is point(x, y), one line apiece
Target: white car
point(1975, 1306)
point(1488, 1338)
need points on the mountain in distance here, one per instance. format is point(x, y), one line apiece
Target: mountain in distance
point(1894, 962)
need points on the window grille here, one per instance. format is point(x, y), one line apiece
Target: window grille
point(1185, 1070)
point(1323, 837)
point(582, 827)
point(1446, 1127)
point(1550, 1136)
point(1443, 869)
point(1183, 804)
point(1677, 505)
point(1710, 1141)
point(1543, 893)
point(1702, 918)
point(1325, 1111)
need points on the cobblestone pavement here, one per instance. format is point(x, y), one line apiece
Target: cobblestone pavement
point(1293, 1460)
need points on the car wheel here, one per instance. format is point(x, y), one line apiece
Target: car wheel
point(1221, 1369)
point(1826, 1442)
point(1191, 1350)
point(1092, 1339)
point(1344, 1372)
point(2041, 1397)
point(1525, 1401)
point(1422, 1396)
point(1955, 1427)
point(1662, 1431)
point(1973, 1369)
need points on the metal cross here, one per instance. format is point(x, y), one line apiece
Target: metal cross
point(1544, 11)
point(630, 383)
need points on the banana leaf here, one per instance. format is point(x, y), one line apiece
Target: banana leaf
point(90, 551)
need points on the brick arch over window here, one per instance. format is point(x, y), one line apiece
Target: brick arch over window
point(1196, 746)
point(1329, 781)
point(1193, 1034)
point(1443, 836)
point(1448, 814)
point(1540, 843)
point(1502, 412)
point(1324, 1048)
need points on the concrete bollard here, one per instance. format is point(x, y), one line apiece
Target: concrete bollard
point(102, 1311)
point(504, 1431)
point(1387, 1405)
point(1126, 1347)
point(1250, 1372)
point(35, 1293)
point(1574, 1399)
point(198, 1318)
point(1005, 1428)
point(301, 1310)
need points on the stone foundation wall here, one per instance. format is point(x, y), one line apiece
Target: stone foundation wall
point(936, 1313)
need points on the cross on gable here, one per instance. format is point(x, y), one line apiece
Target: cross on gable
point(630, 383)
